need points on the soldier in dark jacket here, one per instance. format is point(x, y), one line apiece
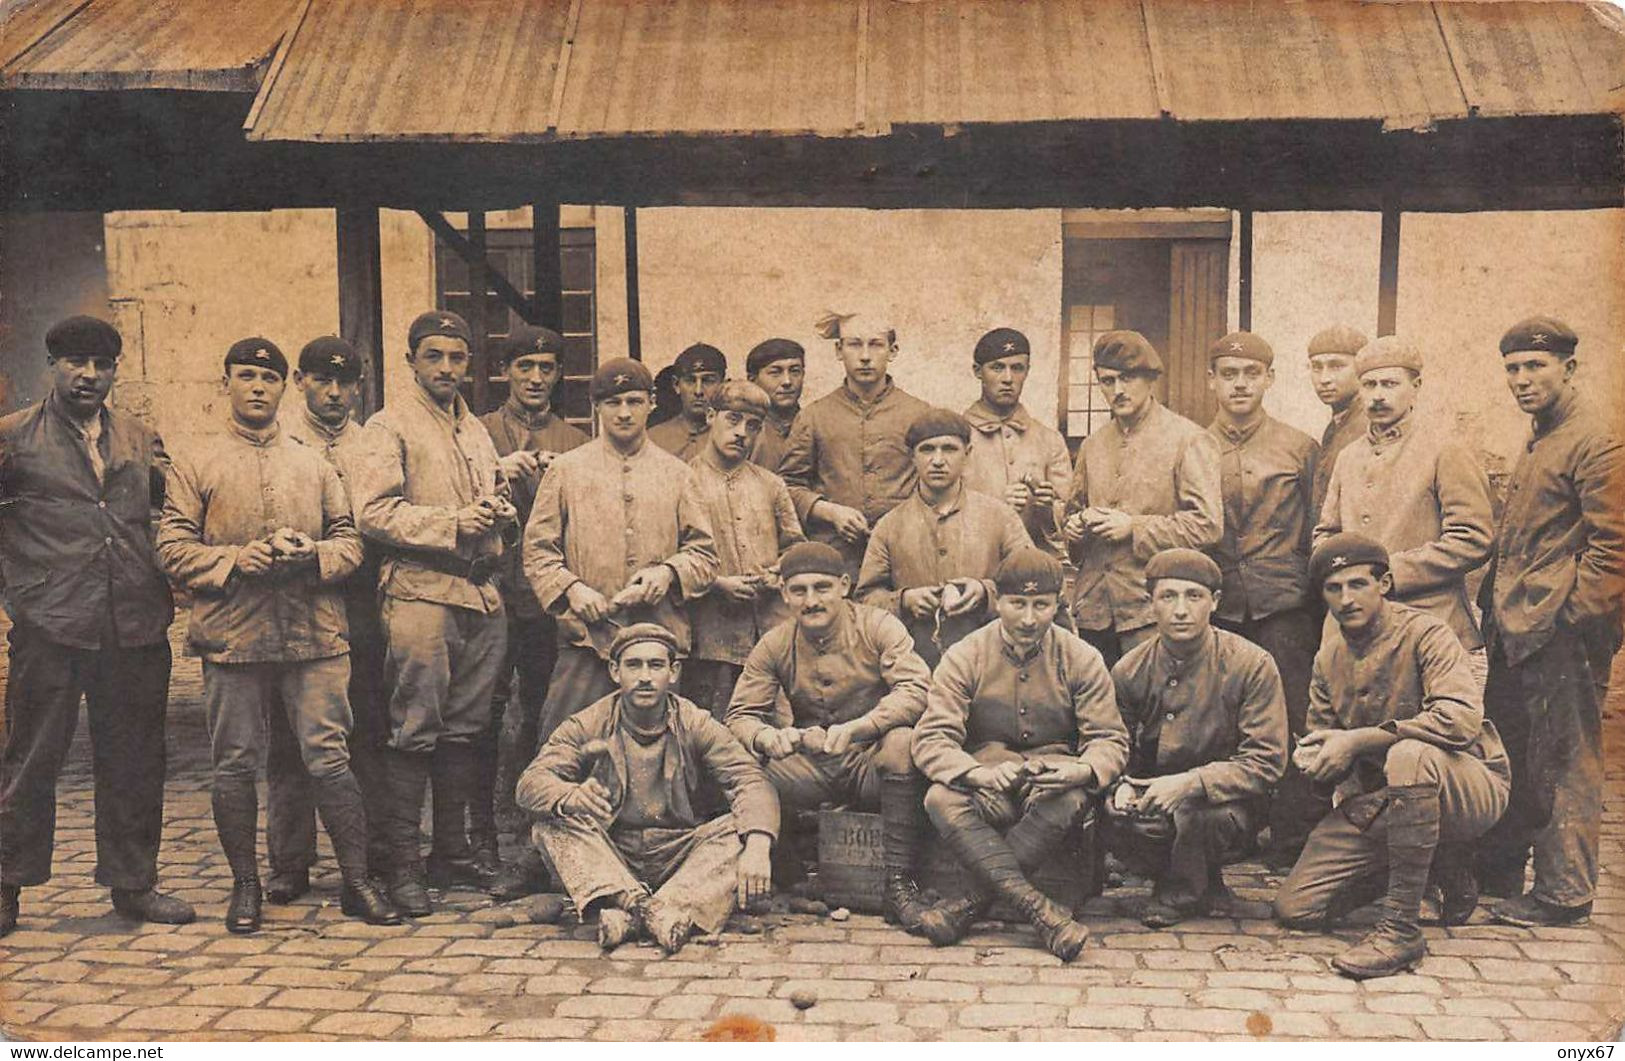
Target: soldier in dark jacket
point(90, 613)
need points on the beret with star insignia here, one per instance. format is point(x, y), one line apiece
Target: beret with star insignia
point(1546, 334)
point(332, 356)
point(529, 339)
point(768, 351)
point(701, 357)
point(1000, 343)
point(1241, 344)
point(438, 322)
point(1029, 571)
point(261, 353)
point(1348, 549)
point(618, 376)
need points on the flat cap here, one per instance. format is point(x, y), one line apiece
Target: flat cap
point(330, 355)
point(1187, 564)
point(1545, 334)
point(741, 396)
point(1348, 549)
point(628, 636)
point(437, 322)
point(617, 376)
point(1126, 351)
point(1387, 351)
point(934, 422)
point(529, 339)
point(1000, 343)
point(768, 351)
point(1338, 339)
point(259, 352)
point(81, 336)
point(1028, 571)
point(1241, 344)
point(810, 558)
point(701, 357)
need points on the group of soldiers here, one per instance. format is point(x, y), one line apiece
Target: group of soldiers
point(655, 646)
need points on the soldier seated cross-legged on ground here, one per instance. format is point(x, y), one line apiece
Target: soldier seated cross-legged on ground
point(1020, 736)
point(651, 813)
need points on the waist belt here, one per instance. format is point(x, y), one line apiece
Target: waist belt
point(480, 570)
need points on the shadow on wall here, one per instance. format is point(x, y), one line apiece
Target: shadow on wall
point(53, 266)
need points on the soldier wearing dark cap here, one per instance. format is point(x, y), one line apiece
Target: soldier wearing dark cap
point(1207, 740)
point(1337, 385)
point(329, 378)
point(619, 534)
point(930, 560)
point(697, 373)
point(754, 521)
point(430, 494)
point(1266, 475)
point(1397, 732)
point(1415, 488)
point(654, 815)
point(779, 367)
point(847, 463)
point(1149, 481)
point(90, 612)
point(528, 435)
point(1552, 616)
point(1015, 458)
point(260, 532)
point(1020, 736)
point(855, 687)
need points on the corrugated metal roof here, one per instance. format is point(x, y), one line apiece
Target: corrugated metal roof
point(992, 61)
point(170, 44)
point(1538, 58)
point(414, 70)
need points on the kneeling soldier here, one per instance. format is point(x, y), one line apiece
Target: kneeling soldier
point(1397, 723)
point(259, 530)
point(1205, 710)
point(1020, 734)
point(627, 793)
point(855, 687)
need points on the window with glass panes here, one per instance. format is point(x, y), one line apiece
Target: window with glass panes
point(510, 251)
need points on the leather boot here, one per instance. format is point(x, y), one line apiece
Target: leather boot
point(407, 775)
point(948, 922)
point(984, 852)
point(344, 814)
point(10, 908)
point(236, 820)
point(451, 859)
point(286, 885)
point(152, 905)
point(1396, 944)
point(902, 823)
point(501, 880)
point(1458, 886)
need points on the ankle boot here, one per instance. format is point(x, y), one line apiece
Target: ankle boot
point(10, 907)
point(1396, 944)
point(407, 775)
point(1458, 887)
point(451, 859)
point(344, 814)
point(902, 823)
point(236, 819)
point(947, 922)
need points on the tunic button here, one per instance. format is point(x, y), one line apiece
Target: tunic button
point(942, 552)
point(1169, 716)
point(1173, 681)
point(1021, 710)
point(101, 504)
point(107, 541)
point(1365, 519)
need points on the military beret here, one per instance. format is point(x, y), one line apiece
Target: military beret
point(628, 636)
point(701, 357)
point(1027, 571)
point(1000, 343)
point(1338, 339)
point(1187, 564)
point(810, 558)
point(741, 396)
point(1547, 334)
point(617, 376)
point(330, 355)
point(82, 336)
point(261, 353)
point(437, 322)
point(529, 339)
point(1241, 344)
point(1125, 351)
point(768, 351)
point(1348, 549)
point(934, 422)
point(1387, 351)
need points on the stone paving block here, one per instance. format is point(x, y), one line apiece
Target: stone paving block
point(1320, 1003)
point(927, 1016)
point(884, 974)
point(1256, 980)
point(629, 985)
point(1178, 979)
point(629, 1031)
point(69, 994)
point(498, 948)
point(170, 1018)
point(218, 975)
point(604, 1007)
point(302, 977)
point(406, 947)
point(561, 948)
point(319, 998)
point(151, 996)
point(91, 1015)
point(438, 1028)
point(684, 1007)
point(1608, 993)
point(1573, 1012)
point(411, 982)
point(1045, 994)
point(1141, 941)
point(1234, 998)
point(808, 1033)
point(1011, 1015)
point(542, 1028)
point(1589, 973)
point(1137, 996)
point(522, 966)
point(1405, 983)
point(1329, 982)
point(1414, 1005)
point(1236, 960)
point(1472, 1007)
point(699, 970)
point(55, 972)
point(556, 984)
point(490, 984)
point(732, 988)
point(1375, 1026)
point(1211, 1021)
point(881, 1034)
point(232, 995)
point(1516, 972)
point(843, 1011)
point(836, 953)
point(132, 976)
point(926, 991)
point(978, 974)
point(1544, 951)
point(442, 966)
point(264, 1020)
point(361, 1025)
point(831, 988)
point(418, 1005)
point(1178, 959)
point(1541, 1031)
point(1130, 1018)
point(1459, 1027)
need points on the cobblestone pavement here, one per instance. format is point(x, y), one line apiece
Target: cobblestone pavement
point(476, 971)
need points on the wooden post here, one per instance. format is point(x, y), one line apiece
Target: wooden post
point(548, 308)
point(479, 363)
point(1388, 268)
point(1244, 267)
point(361, 296)
point(634, 338)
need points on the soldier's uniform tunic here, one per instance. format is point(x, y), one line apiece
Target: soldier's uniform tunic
point(1009, 449)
